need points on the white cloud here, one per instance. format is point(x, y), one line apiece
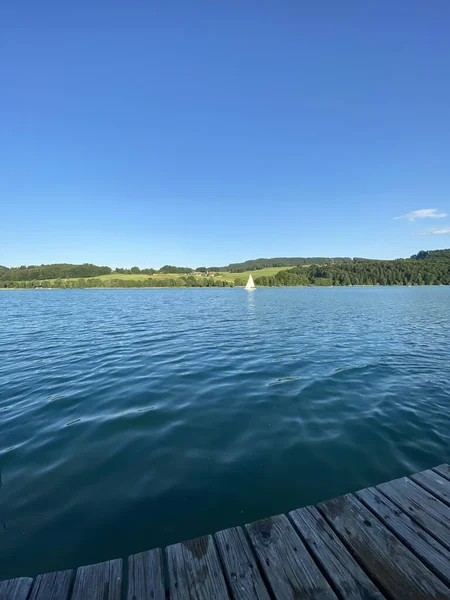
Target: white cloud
point(423, 213)
point(445, 231)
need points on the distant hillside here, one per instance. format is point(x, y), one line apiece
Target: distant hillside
point(56, 271)
point(67, 271)
point(431, 267)
point(427, 254)
point(264, 263)
point(410, 271)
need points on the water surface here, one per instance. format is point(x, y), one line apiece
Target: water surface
point(131, 419)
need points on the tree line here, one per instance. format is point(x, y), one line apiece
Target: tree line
point(426, 254)
point(424, 268)
point(93, 282)
point(70, 271)
point(263, 263)
point(415, 271)
point(60, 270)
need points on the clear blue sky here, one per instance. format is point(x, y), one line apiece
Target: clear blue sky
point(202, 132)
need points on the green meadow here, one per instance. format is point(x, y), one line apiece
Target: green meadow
point(267, 272)
point(129, 278)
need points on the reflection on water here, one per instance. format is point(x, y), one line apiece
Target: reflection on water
point(131, 419)
point(250, 301)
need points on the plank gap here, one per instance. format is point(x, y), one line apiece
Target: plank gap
point(442, 470)
point(428, 562)
point(417, 519)
point(289, 566)
point(331, 583)
point(195, 571)
point(165, 572)
point(431, 486)
point(222, 565)
point(354, 554)
point(391, 563)
point(259, 565)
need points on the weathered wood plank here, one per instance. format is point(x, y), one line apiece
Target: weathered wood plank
point(15, 589)
point(287, 564)
point(435, 484)
point(394, 568)
point(443, 470)
point(421, 506)
point(241, 570)
point(145, 576)
point(416, 495)
point(347, 576)
point(431, 552)
point(102, 581)
point(52, 586)
point(195, 571)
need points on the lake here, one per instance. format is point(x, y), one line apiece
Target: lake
point(132, 419)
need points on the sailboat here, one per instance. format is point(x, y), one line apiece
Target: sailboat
point(250, 284)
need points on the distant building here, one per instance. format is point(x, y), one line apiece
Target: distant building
point(211, 273)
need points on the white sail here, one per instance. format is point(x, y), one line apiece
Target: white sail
point(250, 284)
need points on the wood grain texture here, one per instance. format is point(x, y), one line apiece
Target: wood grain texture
point(416, 495)
point(195, 571)
point(435, 484)
point(431, 552)
point(347, 576)
point(52, 586)
point(241, 570)
point(15, 589)
point(443, 470)
point(393, 567)
point(102, 581)
point(421, 506)
point(145, 576)
point(287, 564)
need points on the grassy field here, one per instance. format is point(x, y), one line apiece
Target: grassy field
point(135, 277)
point(260, 273)
point(220, 275)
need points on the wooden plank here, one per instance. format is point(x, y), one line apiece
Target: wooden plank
point(431, 552)
point(435, 484)
point(421, 506)
point(15, 589)
point(287, 564)
point(102, 581)
point(145, 576)
point(416, 495)
point(395, 569)
point(347, 576)
point(52, 586)
point(241, 570)
point(443, 470)
point(195, 571)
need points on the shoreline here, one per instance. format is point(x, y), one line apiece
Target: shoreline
point(212, 287)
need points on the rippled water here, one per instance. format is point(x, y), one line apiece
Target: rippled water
point(131, 419)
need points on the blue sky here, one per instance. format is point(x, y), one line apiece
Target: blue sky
point(202, 133)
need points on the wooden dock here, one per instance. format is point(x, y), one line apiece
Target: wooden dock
point(390, 541)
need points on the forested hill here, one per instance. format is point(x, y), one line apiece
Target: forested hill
point(57, 271)
point(431, 254)
point(414, 271)
point(426, 267)
point(68, 271)
point(263, 263)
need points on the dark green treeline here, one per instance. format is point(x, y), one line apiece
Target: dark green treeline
point(93, 282)
point(366, 272)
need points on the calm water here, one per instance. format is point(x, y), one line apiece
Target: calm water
point(131, 419)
